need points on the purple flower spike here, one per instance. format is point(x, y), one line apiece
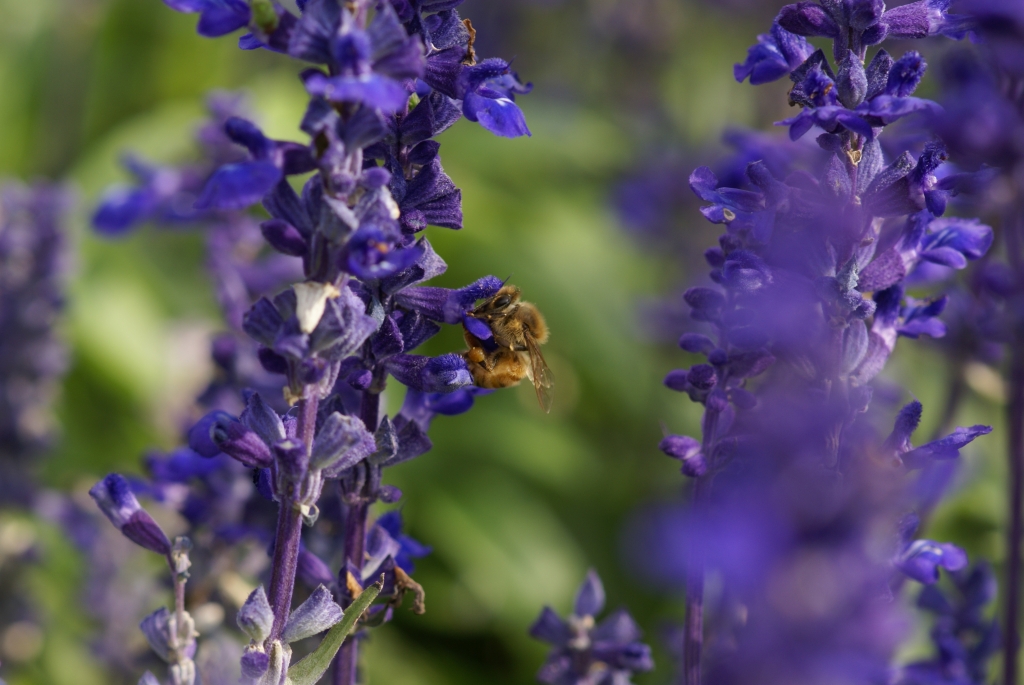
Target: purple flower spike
point(115, 499)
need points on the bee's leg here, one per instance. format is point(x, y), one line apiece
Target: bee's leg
point(507, 371)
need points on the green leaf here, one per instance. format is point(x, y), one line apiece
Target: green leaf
point(311, 669)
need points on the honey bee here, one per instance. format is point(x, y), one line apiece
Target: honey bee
point(512, 350)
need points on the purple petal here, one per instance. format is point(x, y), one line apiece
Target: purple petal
point(254, 663)
point(121, 208)
point(477, 327)
point(222, 17)
point(500, 116)
point(238, 186)
point(373, 90)
point(550, 628)
point(590, 596)
point(946, 256)
point(807, 19)
point(315, 615)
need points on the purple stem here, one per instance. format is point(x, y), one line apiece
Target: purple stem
point(179, 600)
point(347, 669)
point(693, 638)
point(289, 533)
point(1015, 454)
point(1011, 634)
point(693, 645)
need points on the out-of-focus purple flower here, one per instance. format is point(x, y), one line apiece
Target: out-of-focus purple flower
point(688, 451)
point(586, 652)
point(965, 638)
point(409, 548)
point(216, 17)
point(33, 265)
point(242, 184)
point(923, 558)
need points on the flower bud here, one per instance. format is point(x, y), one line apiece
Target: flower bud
point(688, 451)
point(115, 499)
point(852, 81)
point(256, 618)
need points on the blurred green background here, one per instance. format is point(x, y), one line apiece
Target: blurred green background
point(516, 504)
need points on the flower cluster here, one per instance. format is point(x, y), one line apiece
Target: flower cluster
point(387, 78)
point(800, 502)
point(965, 639)
point(33, 256)
point(33, 268)
point(586, 652)
point(982, 122)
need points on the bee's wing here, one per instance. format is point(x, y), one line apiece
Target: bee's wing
point(543, 380)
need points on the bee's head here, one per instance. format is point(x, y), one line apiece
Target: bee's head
point(501, 301)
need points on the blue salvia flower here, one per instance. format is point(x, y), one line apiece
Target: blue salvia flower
point(387, 80)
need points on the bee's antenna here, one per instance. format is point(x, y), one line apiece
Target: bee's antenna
point(507, 279)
